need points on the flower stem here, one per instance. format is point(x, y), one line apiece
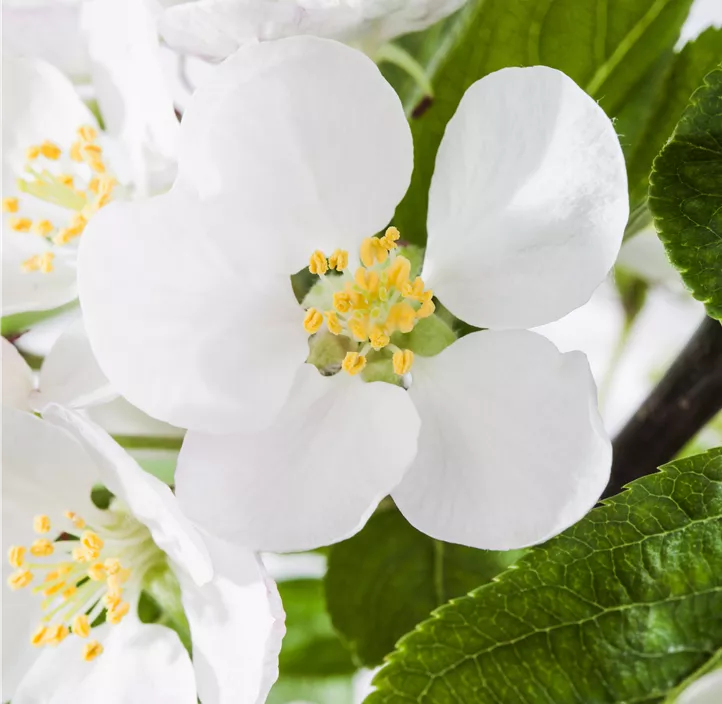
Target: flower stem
point(148, 442)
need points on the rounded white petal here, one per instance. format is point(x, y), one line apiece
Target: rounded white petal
point(17, 378)
point(150, 500)
point(70, 374)
point(189, 331)
point(140, 663)
point(313, 477)
point(306, 139)
point(236, 625)
point(706, 690)
point(528, 201)
point(512, 449)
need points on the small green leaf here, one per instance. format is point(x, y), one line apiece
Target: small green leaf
point(429, 337)
point(685, 195)
point(389, 577)
point(620, 608)
point(311, 648)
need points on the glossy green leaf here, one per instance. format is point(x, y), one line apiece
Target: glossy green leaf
point(685, 195)
point(606, 47)
point(622, 607)
point(389, 577)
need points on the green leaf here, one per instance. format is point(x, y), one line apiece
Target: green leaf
point(309, 690)
point(311, 648)
point(648, 120)
point(621, 607)
point(389, 577)
point(685, 195)
point(606, 46)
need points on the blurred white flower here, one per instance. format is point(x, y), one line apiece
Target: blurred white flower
point(298, 147)
point(215, 29)
point(706, 690)
point(52, 651)
point(703, 14)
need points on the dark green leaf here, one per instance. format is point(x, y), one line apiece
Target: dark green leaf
point(389, 577)
point(685, 195)
point(621, 607)
point(311, 647)
point(605, 46)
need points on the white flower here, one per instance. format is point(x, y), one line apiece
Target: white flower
point(214, 29)
point(705, 690)
point(59, 169)
point(52, 652)
point(298, 147)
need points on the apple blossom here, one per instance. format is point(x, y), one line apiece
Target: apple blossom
point(294, 154)
point(71, 563)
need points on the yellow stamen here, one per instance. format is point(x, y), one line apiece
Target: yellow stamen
point(96, 572)
point(367, 280)
point(80, 554)
point(66, 180)
point(115, 580)
point(92, 650)
point(357, 326)
point(41, 548)
point(10, 205)
point(43, 227)
point(313, 321)
point(32, 153)
point(20, 579)
point(50, 150)
point(69, 592)
point(390, 237)
point(338, 260)
point(116, 613)
point(16, 555)
point(373, 250)
point(332, 323)
point(378, 338)
point(401, 317)
point(75, 151)
point(342, 301)
point(398, 272)
point(81, 627)
point(77, 521)
point(112, 565)
point(403, 361)
point(87, 133)
point(427, 305)
point(112, 598)
point(41, 524)
point(20, 224)
point(415, 290)
point(92, 542)
point(54, 589)
point(38, 637)
point(56, 634)
point(317, 264)
point(353, 363)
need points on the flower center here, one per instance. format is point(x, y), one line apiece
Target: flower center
point(369, 306)
point(77, 182)
point(82, 575)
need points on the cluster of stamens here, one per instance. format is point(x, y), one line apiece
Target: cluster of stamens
point(370, 306)
point(82, 193)
point(78, 578)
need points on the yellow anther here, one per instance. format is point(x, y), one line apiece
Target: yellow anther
point(91, 151)
point(50, 150)
point(54, 589)
point(56, 634)
point(401, 317)
point(20, 579)
point(378, 338)
point(317, 264)
point(81, 626)
point(65, 235)
point(115, 580)
point(97, 165)
point(43, 227)
point(398, 273)
point(32, 153)
point(96, 572)
point(332, 323)
point(20, 224)
point(91, 650)
point(16, 555)
point(116, 613)
point(66, 180)
point(10, 205)
point(338, 260)
point(75, 151)
point(372, 250)
point(415, 290)
point(112, 565)
point(87, 133)
point(41, 524)
point(92, 542)
point(353, 363)
point(342, 301)
point(69, 592)
point(357, 326)
point(312, 321)
point(390, 237)
point(46, 262)
point(41, 548)
point(80, 554)
point(38, 637)
point(367, 280)
point(403, 361)
point(427, 306)
point(112, 598)
point(76, 520)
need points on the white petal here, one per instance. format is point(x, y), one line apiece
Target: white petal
point(49, 31)
point(198, 338)
point(306, 139)
point(236, 625)
point(139, 663)
point(512, 450)
point(313, 477)
point(131, 88)
point(17, 378)
point(706, 690)
point(149, 499)
point(70, 375)
point(528, 202)
point(120, 417)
